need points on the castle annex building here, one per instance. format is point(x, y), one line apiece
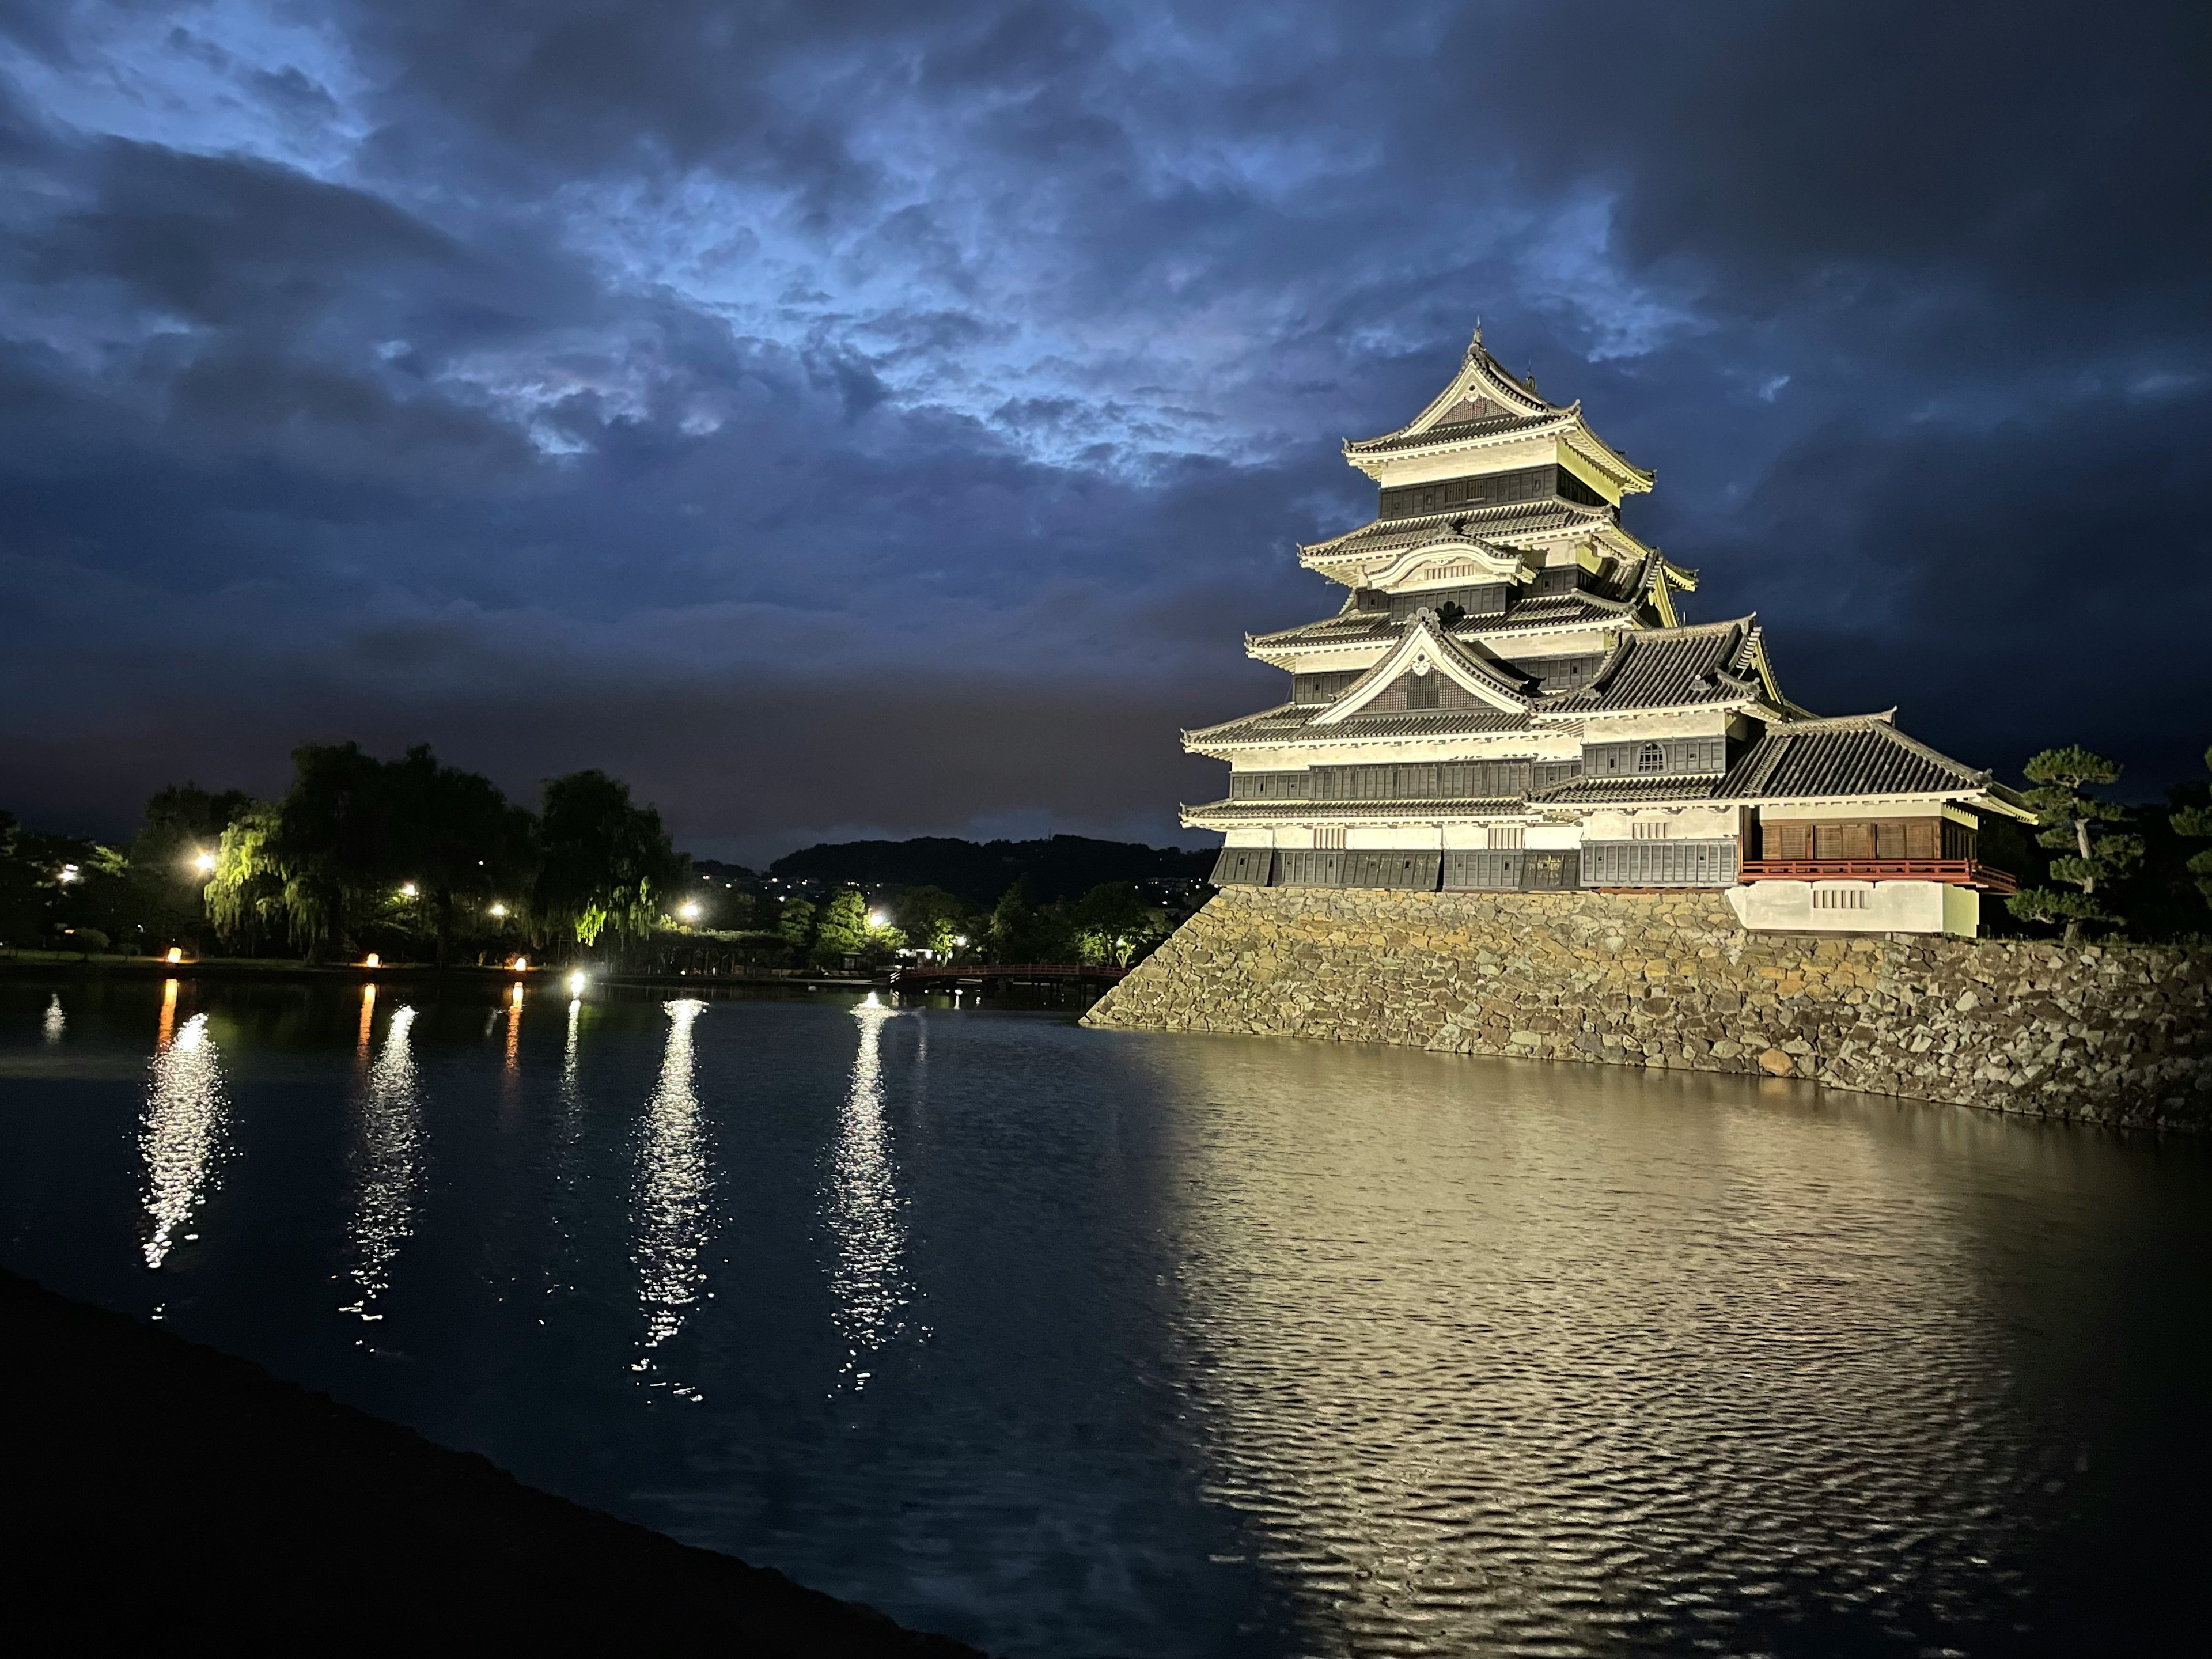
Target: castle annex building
point(1509, 699)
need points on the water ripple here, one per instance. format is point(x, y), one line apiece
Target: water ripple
point(673, 1186)
point(867, 1280)
point(183, 1128)
point(1467, 1406)
point(386, 1157)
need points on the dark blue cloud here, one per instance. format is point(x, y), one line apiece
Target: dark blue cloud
point(871, 416)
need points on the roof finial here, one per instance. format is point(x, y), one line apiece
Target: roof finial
point(1529, 380)
point(1477, 346)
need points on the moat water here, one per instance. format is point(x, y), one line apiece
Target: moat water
point(1075, 1343)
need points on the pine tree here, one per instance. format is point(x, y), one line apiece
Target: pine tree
point(844, 929)
point(2195, 822)
point(2067, 813)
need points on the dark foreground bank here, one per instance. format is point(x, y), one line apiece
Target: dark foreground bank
point(157, 1487)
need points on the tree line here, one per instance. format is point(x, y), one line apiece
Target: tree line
point(359, 852)
point(412, 858)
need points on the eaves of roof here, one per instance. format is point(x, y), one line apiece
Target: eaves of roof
point(1271, 811)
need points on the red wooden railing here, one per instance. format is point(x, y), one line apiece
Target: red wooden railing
point(1961, 872)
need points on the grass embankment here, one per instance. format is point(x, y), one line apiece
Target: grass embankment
point(161, 1490)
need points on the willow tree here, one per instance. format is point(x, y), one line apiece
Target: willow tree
point(2090, 862)
point(246, 896)
point(606, 865)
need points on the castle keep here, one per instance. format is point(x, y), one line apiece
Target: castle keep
point(1509, 700)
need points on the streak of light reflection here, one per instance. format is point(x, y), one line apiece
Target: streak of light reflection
point(181, 1137)
point(673, 1186)
point(387, 1157)
point(867, 1281)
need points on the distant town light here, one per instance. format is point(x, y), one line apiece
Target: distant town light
point(204, 863)
point(577, 981)
point(499, 910)
point(372, 960)
point(175, 955)
point(408, 890)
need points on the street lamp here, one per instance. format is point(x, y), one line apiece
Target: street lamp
point(499, 910)
point(689, 910)
point(408, 890)
point(877, 919)
point(204, 863)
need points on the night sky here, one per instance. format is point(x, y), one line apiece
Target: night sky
point(867, 418)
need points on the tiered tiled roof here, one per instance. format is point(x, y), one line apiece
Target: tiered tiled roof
point(1670, 668)
point(1293, 724)
point(1501, 522)
point(1352, 626)
point(1445, 432)
point(1482, 403)
point(1853, 755)
point(1638, 790)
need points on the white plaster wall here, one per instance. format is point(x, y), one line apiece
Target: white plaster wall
point(1893, 907)
point(1683, 822)
point(1250, 838)
point(1417, 837)
point(1962, 911)
point(1688, 723)
point(1475, 837)
point(1512, 745)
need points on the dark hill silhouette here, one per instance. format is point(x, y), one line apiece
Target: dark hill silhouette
point(1065, 867)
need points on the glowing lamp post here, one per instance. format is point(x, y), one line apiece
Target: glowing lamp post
point(499, 910)
point(203, 863)
point(689, 910)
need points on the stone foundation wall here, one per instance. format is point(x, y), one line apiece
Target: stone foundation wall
point(2119, 1036)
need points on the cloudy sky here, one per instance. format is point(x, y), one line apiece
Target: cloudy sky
point(844, 418)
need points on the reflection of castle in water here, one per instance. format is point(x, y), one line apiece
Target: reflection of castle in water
point(1559, 1371)
point(386, 1157)
point(183, 1126)
point(867, 1281)
point(673, 1184)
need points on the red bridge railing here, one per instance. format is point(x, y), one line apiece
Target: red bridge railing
point(1960, 872)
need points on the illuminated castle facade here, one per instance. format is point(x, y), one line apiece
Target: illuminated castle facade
point(1509, 700)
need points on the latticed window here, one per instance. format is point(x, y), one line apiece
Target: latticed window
point(1421, 691)
point(1507, 840)
point(1329, 838)
point(1649, 829)
point(1652, 757)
